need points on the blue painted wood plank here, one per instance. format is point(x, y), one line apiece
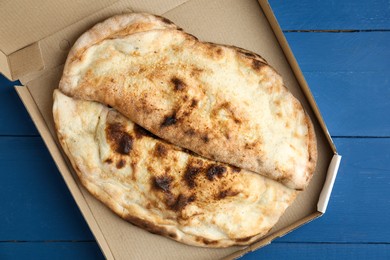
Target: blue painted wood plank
point(353, 103)
point(50, 250)
point(332, 15)
point(14, 119)
point(35, 202)
point(348, 74)
point(321, 251)
point(90, 250)
point(359, 207)
point(341, 52)
point(37, 206)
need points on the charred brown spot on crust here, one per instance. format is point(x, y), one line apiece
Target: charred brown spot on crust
point(181, 201)
point(190, 175)
point(215, 171)
point(133, 166)
point(236, 120)
point(190, 132)
point(209, 242)
point(169, 120)
point(189, 152)
point(162, 182)
point(149, 226)
point(256, 64)
point(122, 141)
point(235, 169)
point(160, 150)
point(172, 235)
point(195, 72)
point(283, 178)
point(194, 103)
point(191, 37)
point(109, 161)
point(120, 164)
point(250, 146)
point(178, 84)
point(214, 50)
point(125, 144)
point(226, 193)
point(141, 132)
point(205, 138)
point(167, 21)
point(243, 240)
point(248, 54)
point(228, 107)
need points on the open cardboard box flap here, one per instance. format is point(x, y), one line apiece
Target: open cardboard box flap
point(33, 49)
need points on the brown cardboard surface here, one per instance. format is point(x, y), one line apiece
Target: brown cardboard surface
point(209, 21)
point(21, 66)
point(56, 36)
point(4, 65)
point(25, 22)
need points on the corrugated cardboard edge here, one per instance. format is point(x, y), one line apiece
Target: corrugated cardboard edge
point(4, 66)
point(21, 62)
point(267, 240)
point(26, 60)
point(329, 182)
point(39, 122)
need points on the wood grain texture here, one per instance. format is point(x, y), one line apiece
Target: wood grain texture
point(360, 201)
point(348, 74)
point(90, 250)
point(36, 203)
point(321, 251)
point(341, 52)
point(353, 103)
point(332, 15)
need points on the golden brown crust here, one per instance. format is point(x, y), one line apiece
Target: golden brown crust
point(117, 26)
point(313, 154)
point(184, 91)
point(160, 187)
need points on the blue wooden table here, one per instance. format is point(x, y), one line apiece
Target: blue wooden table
point(343, 48)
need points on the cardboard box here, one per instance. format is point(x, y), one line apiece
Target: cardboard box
point(35, 37)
